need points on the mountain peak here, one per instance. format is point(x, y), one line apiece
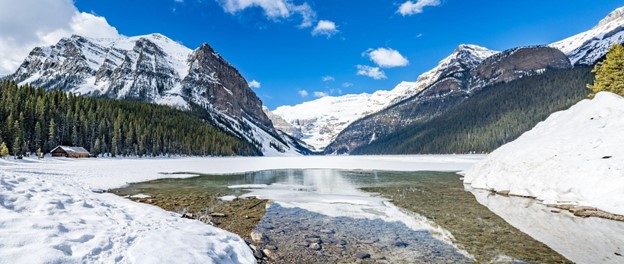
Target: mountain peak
point(586, 48)
point(615, 15)
point(475, 50)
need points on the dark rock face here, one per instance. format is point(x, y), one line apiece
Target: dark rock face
point(214, 80)
point(452, 88)
point(517, 63)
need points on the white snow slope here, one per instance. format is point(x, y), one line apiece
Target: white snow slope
point(321, 120)
point(574, 156)
point(49, 212)
point(589, 46)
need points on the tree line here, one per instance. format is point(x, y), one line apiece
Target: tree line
point(35, 120)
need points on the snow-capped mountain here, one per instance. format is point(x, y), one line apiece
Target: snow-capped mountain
point(590, 46)
point(154, 68)
point(321, 120)
point(463, 79)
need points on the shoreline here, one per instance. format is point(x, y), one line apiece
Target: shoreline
point(582, 211)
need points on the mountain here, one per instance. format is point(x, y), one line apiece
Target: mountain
point(321, 120)
point(590, 46)
point(457, 84)
point(153, 68)
point(494, 116)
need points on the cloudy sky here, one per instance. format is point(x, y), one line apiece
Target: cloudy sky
point(296, 50)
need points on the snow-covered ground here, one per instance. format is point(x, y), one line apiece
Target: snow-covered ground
point(49, 212)
point(575, 156)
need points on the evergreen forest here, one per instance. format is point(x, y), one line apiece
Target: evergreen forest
point(34, 120)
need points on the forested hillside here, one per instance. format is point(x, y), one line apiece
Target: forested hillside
point(490, 118)
point(32, 119)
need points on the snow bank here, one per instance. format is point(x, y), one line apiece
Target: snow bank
point(574, 156)
point(49, 212)
point(45, 217)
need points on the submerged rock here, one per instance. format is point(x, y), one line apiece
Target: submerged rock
point(258, 237)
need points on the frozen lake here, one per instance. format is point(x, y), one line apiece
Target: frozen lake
point(385, 206)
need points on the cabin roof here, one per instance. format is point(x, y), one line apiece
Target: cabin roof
point(73, 150)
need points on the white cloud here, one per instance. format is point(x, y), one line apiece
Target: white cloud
point(254, 84)
point(303, 93)
point(328, 78)
point(325, 27)
point(318, 94)
point(411, 8)
point(273, 9)
point(386, 58)
point(26, 24)
point(373, 72)
point(347, 85)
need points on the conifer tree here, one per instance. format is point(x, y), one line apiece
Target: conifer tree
point(17, 147)
point(610, 73)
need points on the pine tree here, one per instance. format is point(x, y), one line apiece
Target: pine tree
point(17, 150)
point(4, 151)
point(610, 73)
point(52, 132)
point(97, 147)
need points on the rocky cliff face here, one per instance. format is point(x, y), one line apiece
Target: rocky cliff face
point(213, 81)
point(462, 80)
point(154, 68)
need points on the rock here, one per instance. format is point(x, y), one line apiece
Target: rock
point(218, 215)
point(272, 247)
point(188, 216)
point(258, 237)
point(327, 231)
point(269, 253)
point(258, 254)
point(315, 246)
point(314, 240)
point(362, 255)
point(400, 244)
point(98, 190)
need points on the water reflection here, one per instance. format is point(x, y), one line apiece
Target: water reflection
point(335, 193)
point(582, 240)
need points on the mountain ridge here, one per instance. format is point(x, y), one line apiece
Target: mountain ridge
point(154, 68)
point(321, 120)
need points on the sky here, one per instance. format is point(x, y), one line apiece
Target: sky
point(292, 51)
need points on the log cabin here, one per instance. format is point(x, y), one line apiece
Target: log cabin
point(70, 152)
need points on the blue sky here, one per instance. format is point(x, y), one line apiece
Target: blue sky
point(286, 57)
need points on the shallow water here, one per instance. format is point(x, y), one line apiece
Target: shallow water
point(443, 223)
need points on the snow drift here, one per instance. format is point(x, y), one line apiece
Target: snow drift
point(575, 156)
